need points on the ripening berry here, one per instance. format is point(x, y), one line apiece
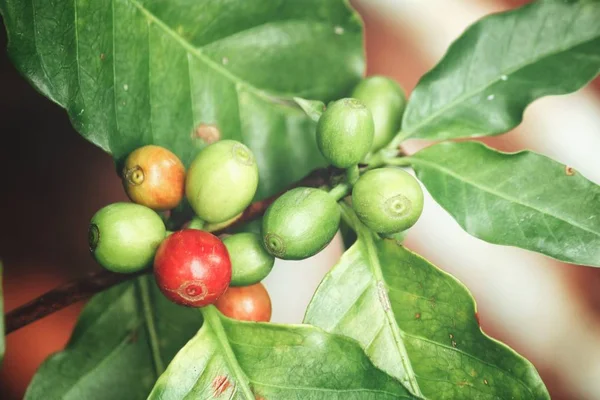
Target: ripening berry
point(387, 200)
point(386, 101)
point(300, 223)
point(154, 177)
point(250, 262)
point(345, 132)
point(222, 181)
point(247, 303)
point(123, 237)
point(192, 268)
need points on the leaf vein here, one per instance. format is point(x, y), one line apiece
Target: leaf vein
point(500, 195)
point(479, 89)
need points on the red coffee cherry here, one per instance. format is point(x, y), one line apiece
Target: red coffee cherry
point(192, 268)
point(246, 303)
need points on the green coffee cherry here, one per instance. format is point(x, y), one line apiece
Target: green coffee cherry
point(345, 132)
point(250, 262)
point(387, 200)
point(386, 101)
point(222, 181)
point(123, 237)
point(300, 223)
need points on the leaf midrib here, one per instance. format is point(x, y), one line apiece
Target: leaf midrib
point(416, 160)
point(197, 53)
point(193, 50)
point(213, 320)
point(373, 261)
point(147, 310)
point(479, 89)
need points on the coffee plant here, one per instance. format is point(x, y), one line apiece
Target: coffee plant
point(220, 112)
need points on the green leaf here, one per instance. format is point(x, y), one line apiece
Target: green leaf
point(313, 108)
point(501, 64)
point(418, 324)
point(121, 344)
point(243, 360)
point(521, 199)
point(181, 73)
point(2, 343)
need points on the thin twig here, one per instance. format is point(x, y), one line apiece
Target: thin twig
point(87, 286)
point(63, 296)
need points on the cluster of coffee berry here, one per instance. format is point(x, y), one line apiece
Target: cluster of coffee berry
point(193, 267)
point(303, 221)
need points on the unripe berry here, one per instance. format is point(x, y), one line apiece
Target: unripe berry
point(386, 101)
point(250, 262)
point(387, 200)
point(154, 177)
point(222, 181)
point(300, 223)
point(248, 303)
point(192, 268)
point(123, 237)
point(345, 132)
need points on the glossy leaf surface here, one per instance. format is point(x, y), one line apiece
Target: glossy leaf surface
point(521, 199)
point(123, 340)
point(183, 73)
point(501, 64)
point(419, 324)
point(244, 360)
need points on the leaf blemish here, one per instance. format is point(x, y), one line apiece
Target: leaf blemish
point(208, 133)
point(225, 60)
point(102, 56)
point(485, 381)
point(570, 171)
point(220, 384)
point(432, 302)
point(338, 30)
point(133, 336)
point(491, 97)
point(418, 316)
point(504, 77)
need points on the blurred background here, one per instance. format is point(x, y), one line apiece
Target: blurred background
point(53, 181)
